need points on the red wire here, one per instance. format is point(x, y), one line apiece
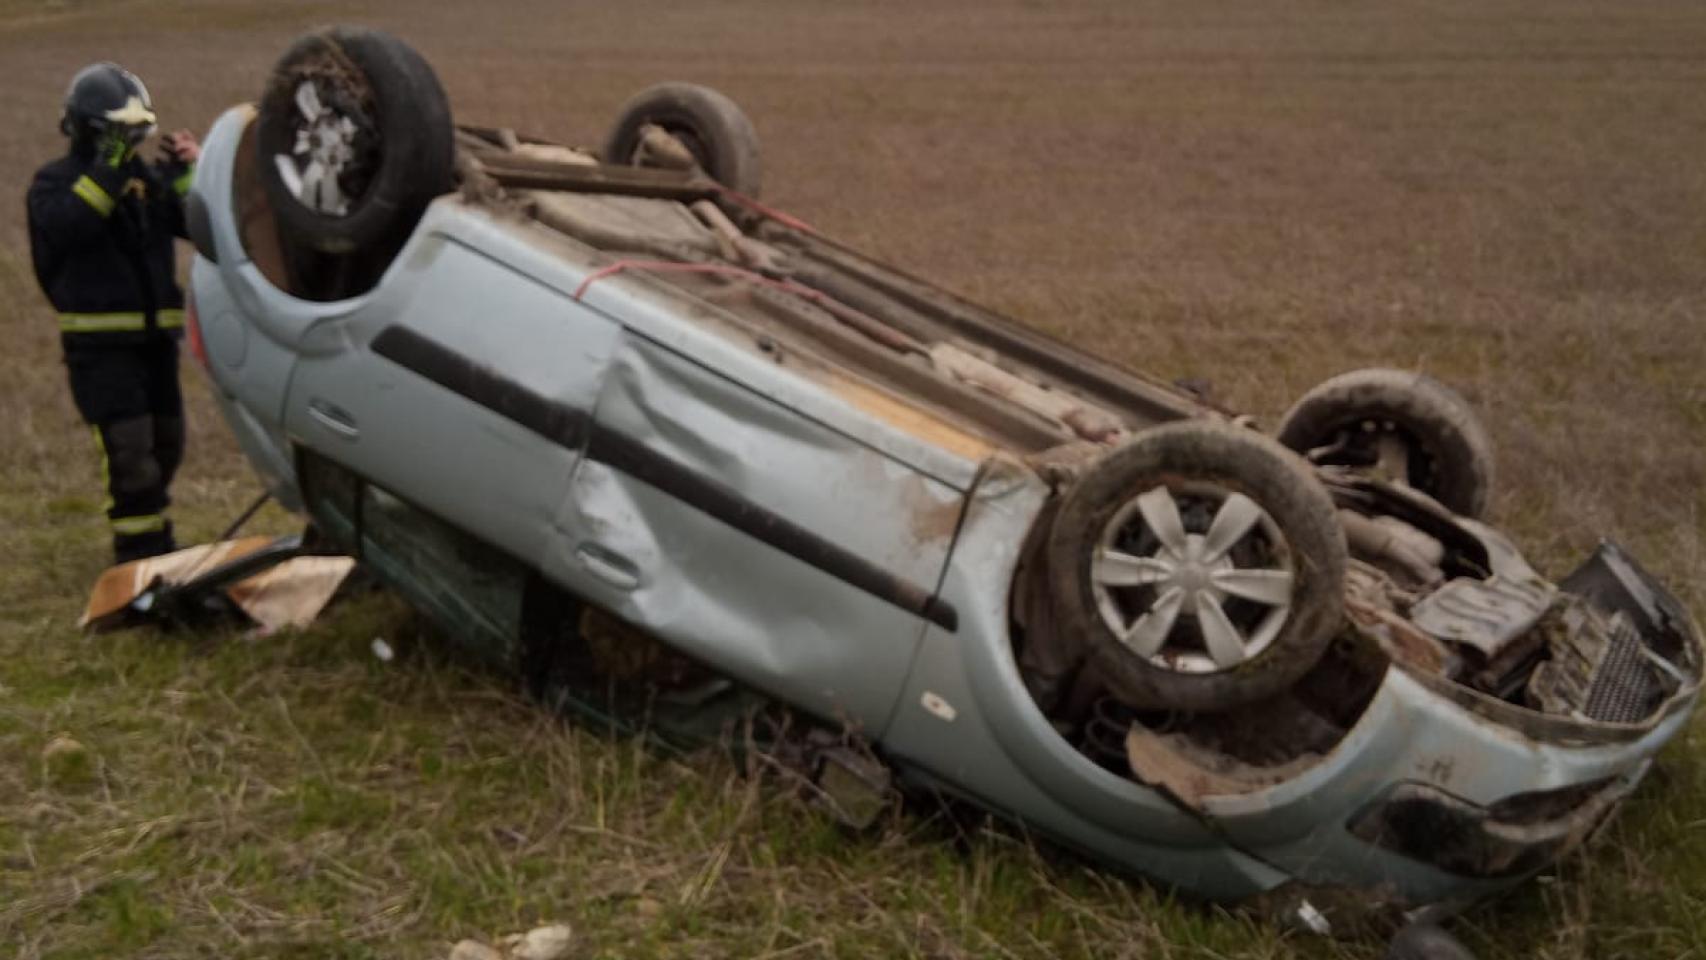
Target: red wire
point(785, 219)
point(662, 266)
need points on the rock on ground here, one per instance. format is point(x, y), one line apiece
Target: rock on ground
point(541, 943)
point(473, 950)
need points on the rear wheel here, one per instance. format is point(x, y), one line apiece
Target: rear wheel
point(354, 140)
point(1204, 564)
point(1406, 426)
point(716, 135)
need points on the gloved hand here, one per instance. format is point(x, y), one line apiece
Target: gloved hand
point(113, 149)
point(181, 145)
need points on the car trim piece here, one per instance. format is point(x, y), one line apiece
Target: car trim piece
point(568, 427)
point(557, 422)
point(717, 500)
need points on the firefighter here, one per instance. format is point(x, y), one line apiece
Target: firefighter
point(101, 225)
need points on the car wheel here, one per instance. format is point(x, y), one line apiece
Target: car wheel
point(1407, 426)
point(1204, 564)
point(1425, 941)
point(712, 128)
point(354, 140)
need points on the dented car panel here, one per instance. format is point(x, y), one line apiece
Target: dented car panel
point(682, 451)
point(790, 378)
point(831, 482)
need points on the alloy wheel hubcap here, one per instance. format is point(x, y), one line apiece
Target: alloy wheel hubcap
point(1193, 578)
point(321, 156)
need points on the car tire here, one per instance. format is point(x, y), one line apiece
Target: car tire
point(1449, 455)
point(1274, 574)
point(354, 140)
point(1426, 941)
point(712, 128)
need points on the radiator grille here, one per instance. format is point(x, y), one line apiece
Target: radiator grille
point(1625, 685)
point(1598, 668)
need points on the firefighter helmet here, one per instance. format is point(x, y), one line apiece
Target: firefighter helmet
point(104, 97)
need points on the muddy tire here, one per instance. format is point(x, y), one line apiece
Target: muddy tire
point(1447, 453)
point(1203, 564)
point(712, 128)
point(354, 141)
point(1425, 941)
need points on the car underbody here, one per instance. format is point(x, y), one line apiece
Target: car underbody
point(1445, 599)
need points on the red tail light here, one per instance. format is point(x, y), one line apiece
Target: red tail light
point(192, 323)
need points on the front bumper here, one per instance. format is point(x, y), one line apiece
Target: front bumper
point(1512, 838)
point(1441, 794)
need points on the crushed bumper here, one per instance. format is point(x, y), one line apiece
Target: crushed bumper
point(1512, 838)
point(1442, 794)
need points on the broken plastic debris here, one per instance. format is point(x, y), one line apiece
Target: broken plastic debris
point(1313, 919)
point(288, 593)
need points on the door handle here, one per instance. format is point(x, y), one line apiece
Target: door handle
point(608, 565)
point(334, 418)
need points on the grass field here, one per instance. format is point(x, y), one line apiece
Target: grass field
point(1511, 196)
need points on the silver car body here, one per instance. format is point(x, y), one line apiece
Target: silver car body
point(593, 378)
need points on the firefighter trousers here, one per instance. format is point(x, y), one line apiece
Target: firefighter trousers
point(129, 395)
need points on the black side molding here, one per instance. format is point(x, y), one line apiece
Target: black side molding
point(710, 497)
point(568, 427)
point(556, 422)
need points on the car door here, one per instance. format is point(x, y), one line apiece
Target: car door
point(464, 389)
point(757, 539)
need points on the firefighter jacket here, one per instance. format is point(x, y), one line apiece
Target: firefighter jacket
point(101, 238)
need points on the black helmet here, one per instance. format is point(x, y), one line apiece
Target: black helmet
point(103, 96)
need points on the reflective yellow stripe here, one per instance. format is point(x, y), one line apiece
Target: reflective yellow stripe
point(93, 195)
point(182, 185)
point(106, 469)
point(170, 319)
point(101, 322)
point(130, 526)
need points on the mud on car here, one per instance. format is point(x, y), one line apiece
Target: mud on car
point(520, 380)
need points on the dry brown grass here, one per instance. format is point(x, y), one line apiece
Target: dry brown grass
point(1508, 195)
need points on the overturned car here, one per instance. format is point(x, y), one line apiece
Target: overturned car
point(517, 379)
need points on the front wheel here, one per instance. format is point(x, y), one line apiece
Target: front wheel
point(1203, 562)
point(1408, 427)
